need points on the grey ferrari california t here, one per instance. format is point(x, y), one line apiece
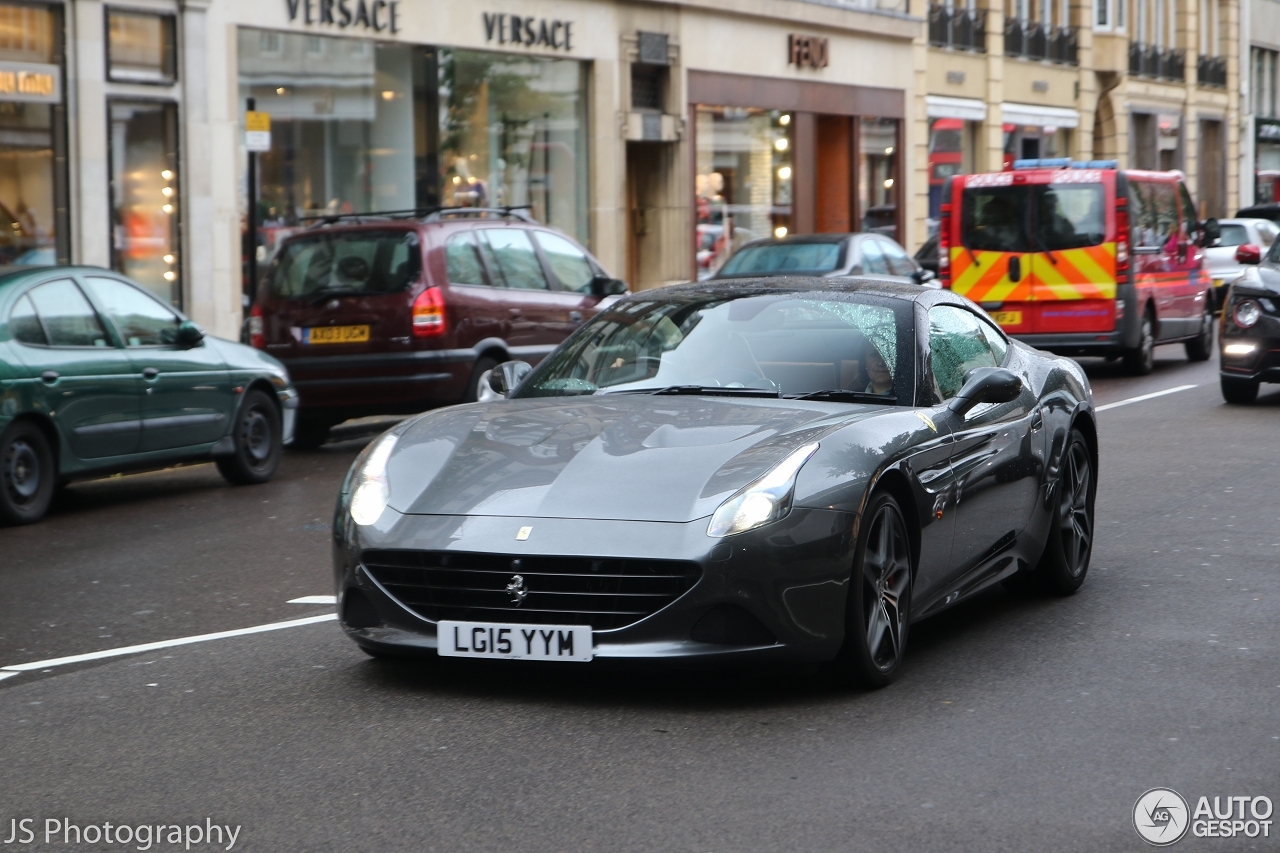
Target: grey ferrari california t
point(765, 470)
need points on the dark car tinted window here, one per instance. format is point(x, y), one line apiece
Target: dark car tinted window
point(513, 251)
point(957, 344)
point(769, 258)
point(140, 320)
point(570, 265)
point(67, 316)
point(24, 325)
point(994, 219)
point(356, 262)
point(463, 261)
point(1071, 216)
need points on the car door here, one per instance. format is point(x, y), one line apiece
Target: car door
point(187, 397)
point(87, 383)
point(1192, 282)
point(513, 261)
point(1156, 253)
point(991, 446)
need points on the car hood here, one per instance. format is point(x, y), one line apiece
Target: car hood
point(624, 456)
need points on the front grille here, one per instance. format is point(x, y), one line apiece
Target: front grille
point(604, 593)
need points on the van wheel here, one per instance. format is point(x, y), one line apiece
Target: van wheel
point(479, 373)
point(27, 474)
point(309, 433)
point(1141, 360)
point(1200, 348)
point(1239, 392)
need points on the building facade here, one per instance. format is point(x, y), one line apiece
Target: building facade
point(1152, 84)
point(1260, 113)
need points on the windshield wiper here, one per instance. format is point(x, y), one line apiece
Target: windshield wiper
point(703, 390)
point(330, 292)
point(845, 396)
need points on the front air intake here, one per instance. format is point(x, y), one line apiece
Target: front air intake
point(730, 625)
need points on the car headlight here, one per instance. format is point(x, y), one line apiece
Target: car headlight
point(765, 500)
point(372, 491)
point(1247, 313)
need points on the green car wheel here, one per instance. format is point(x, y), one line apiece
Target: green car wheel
point(27, 470)
point(258, 439)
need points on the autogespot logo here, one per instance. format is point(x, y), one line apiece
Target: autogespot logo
point(1160, 816)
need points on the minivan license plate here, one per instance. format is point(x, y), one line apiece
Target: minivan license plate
point(1007, 318)
point(335, 335)
point(514, 642)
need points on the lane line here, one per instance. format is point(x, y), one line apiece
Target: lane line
point(1142, 397)
point(314, 599)
point(4, 675)
point(164, 644)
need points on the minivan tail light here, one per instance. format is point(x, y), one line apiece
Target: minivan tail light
point(257, 339)
point(944, 245)
point(1122, 241)
point(428, 314)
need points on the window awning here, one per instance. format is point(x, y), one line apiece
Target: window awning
point(1039, 116)
point(969, 109)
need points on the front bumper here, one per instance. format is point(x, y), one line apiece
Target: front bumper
point(790, 577)
point(1262, 364)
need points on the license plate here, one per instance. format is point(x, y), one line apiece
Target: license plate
point(514, 642)
point(1217, 282)
point(1007, 318)
point(335, 335)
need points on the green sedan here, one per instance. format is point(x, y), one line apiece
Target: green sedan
point(98, 376)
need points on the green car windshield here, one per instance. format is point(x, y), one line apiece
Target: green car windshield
point(789, 344)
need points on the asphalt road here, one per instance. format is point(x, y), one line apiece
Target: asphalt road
point(1019, 723)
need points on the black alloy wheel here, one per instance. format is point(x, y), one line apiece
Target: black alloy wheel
point(1142, 359)
point(1065, 561)
point(258, 438)
point(479, 373)
point(1239, 392)
point(27, 475)
point(1200, 348)
point(877, 616)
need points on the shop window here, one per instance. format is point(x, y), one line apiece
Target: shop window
point(33, 142)
point(743, 180)
point(141, 47)
point(145, 193)
point(878, 189)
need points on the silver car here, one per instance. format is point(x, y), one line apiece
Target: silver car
point(1220, 259)
point(827, 255)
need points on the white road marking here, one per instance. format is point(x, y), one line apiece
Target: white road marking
point(4, 675)
point(315, 599)
point(1142, 397)
point(7, 671)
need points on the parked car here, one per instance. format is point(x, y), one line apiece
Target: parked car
point(385, 314)
point(98, 376)
point(824, 255)
point(1082, 258)
point(781, 470)
point(1268, 210)
point(1250, 338)
point(1220, 259)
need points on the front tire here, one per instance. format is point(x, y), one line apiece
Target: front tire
point(877, 616)
point(1065, 561)
point(258, 438)
point(1239, 392)
point(27, 474)
point(1142, 360)
point(1200, 348)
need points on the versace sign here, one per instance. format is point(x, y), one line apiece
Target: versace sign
point(377, 16)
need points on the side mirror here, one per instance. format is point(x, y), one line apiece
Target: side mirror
point(188, 335)
point(1210, 231)
point(504, 378)
point(924, 276)
point(1249, 253)
point(986, 385)
point(602, 286)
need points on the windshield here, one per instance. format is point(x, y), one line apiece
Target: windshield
point(778, 344)
point(1233, 235)
point(772, 258)
point(354, 263)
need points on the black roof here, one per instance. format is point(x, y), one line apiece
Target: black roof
point(730, 287)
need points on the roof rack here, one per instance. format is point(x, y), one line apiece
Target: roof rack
point(426, 214)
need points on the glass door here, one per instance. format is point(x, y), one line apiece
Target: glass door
point(145, 195)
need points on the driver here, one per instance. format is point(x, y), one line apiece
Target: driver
point(878, 372)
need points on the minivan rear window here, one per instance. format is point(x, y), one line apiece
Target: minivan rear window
point(355, 263)
point(994, 219)
point(1033, 218)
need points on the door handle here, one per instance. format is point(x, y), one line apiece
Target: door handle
point(1015, 268)
point(515, 312)
point(49, 376)
point(575, 316)
point(150, 373)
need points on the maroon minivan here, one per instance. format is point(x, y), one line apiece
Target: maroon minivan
point(382, 314)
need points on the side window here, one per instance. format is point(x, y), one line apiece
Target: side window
point(568, 263)
point(995, 340)
point(873, 262)
point(140, 319)
point(463, 260)
point(957, 345)
point(68, 318)
point(1164, 200)
point(514, 253)
point(1138, 215)
point(896, 257)
point(1190, 216)
point(24, 323)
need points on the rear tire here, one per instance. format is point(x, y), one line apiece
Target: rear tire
point(479, 373)
point(1065, 561)
point(1141, 360)
point(1239, 392)
point(878, 613)
point(258, 438)
point(1200, 348)
point(27, 474)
